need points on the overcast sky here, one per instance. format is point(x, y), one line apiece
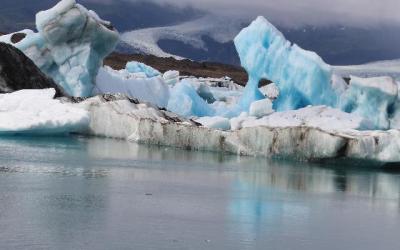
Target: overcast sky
point(299, 12)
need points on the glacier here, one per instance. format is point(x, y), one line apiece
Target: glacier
point(70, 45)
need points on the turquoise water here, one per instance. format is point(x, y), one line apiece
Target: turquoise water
point(80, 193)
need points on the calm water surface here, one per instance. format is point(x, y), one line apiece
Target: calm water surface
point(79, 193)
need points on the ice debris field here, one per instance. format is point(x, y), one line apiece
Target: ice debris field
point(309, 111)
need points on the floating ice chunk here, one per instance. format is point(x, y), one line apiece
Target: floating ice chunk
point(261, 108)
point(137, 67)
point(70, 46)
point(236, 122)
point(270, 91)
point(215, 122)
point(36, 112)
point(153, 90)
point(185, 101)
point(371, 98)
point(205, 92)
point(302, 76)
point(171, 77)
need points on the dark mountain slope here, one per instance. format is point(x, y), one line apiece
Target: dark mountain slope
point(185, 67)
point(18, 72)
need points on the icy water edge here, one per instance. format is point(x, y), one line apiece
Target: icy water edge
point(94, 193)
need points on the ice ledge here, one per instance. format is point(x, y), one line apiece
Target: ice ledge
point(146, 124)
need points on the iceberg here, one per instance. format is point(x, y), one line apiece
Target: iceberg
point(321, 117)
point(171, 77)
point(304, 79)
point(215, 122)
point(116, 116)
point(137, 67)
point(70, 45)
point(185, 101)
point(148, 89)
point(307, 113)
point(302, 76)
point(313, 134)
point(261, 108)
point(372, 98)
point(36, 112)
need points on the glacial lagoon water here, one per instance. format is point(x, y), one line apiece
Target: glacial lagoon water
point(94, 193)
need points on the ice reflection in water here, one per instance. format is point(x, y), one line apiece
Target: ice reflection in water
point(79, 193)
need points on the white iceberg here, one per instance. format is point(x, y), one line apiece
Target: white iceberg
point(171, 77)
point(322, 117)
point(215, 122)
point(147, 89)
point(36, 112)
point(261, 108)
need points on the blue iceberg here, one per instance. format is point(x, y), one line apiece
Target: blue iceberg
point(137, 67)
point(304, 79)
point(185, 101)
point(70, 45)
point(302, 76)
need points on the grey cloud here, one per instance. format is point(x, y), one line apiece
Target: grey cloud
point(304, 12)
